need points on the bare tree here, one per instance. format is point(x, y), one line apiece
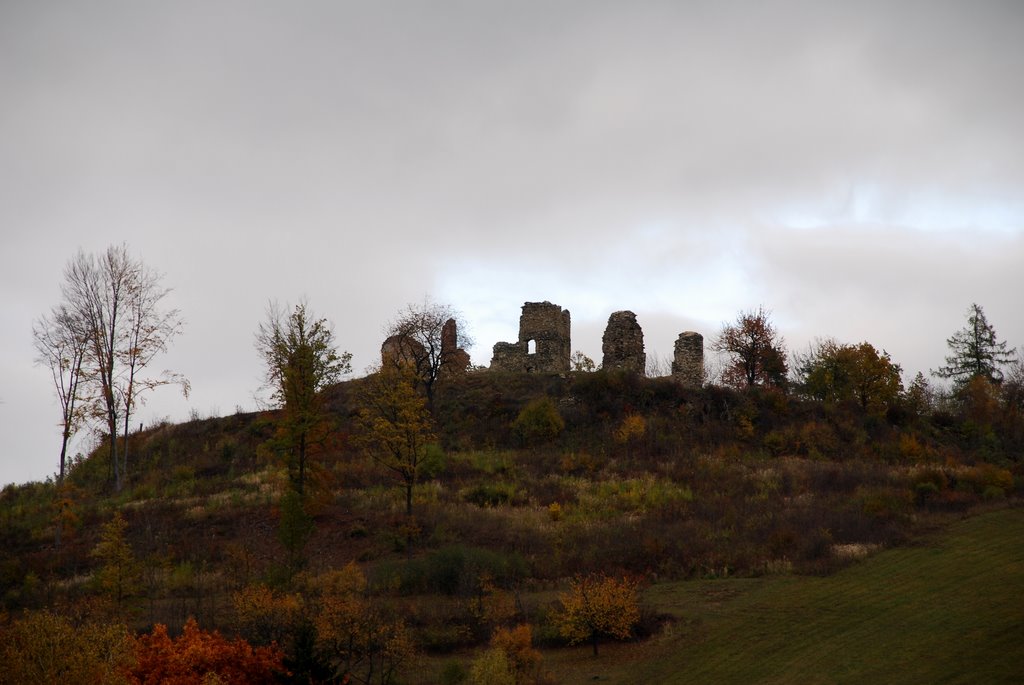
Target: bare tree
point(118, 301)
point(431, 339)
point(148, 332)
point(658, 366)
point(61, 345)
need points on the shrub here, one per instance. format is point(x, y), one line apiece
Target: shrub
point(492, 494)
point(492, 668)
point(517, 643)
point(984, 476)
point(197, 656)
point(925, 492)
point(454, 570)
point(453, 673)
point(538, 422)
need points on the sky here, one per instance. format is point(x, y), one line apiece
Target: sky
point(855, 168)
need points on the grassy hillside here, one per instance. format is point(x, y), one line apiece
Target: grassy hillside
point(742, 512)
point(946, 611)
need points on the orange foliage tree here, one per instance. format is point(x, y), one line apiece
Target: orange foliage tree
point(198, 657)
point(517, 644)
point(597, 606)
point(363, 644)
point(756, 351)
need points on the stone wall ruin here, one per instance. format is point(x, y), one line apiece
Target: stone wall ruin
point(623, 344)
point(405, 348)
point(544, 344)
point(688, 363)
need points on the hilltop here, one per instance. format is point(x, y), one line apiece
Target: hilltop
point(532, 479)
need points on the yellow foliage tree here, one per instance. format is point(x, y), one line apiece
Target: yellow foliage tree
point(364, 644)
point(119, 573)
point(264, 616)
point(598, 606)
point(395, 426)
point(517, 644)
point(44, 648)
point(492, 668)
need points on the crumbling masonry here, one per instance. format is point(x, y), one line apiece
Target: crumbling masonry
point(688, 364)
point(544, 344)
point(407, 349)
point(623, 344)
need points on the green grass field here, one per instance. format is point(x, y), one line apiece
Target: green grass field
point(950, 610)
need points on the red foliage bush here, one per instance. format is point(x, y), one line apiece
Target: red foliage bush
point(196, 655)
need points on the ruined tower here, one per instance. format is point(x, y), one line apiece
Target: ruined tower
point(454, 359)
point(688, 364)
point(544, 344)
point(623, 343)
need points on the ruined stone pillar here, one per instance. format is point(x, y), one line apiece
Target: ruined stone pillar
point(688, 364)
point(623, 344)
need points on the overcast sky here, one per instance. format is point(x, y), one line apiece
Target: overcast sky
point(855, 167)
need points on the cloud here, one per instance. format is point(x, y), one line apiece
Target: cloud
point(858, 168)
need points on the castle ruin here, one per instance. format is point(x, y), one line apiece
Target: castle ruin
point(544, 344)
point(688, 364)
point(404, 348)
point(623, 344)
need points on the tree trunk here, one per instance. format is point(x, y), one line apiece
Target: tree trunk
point(118, 475)
point(124, 455)
point(302, 463)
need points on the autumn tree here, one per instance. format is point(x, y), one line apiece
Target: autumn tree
point(363, 643)
point(42, 648)
point(431, 338)
point(517, 644)
point(119, 571)
point(116, 301)
point(756, 352)
point(264, 615)
point(976, 352)
point(919, 397)
point(492, 667)
point(199, 657)
point(394, 425)
point(833, 372)
point(301, 361)
point(598, 606)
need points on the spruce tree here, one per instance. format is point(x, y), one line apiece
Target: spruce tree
point(977, 352)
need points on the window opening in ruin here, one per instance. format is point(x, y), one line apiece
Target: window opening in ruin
point(531, 347)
